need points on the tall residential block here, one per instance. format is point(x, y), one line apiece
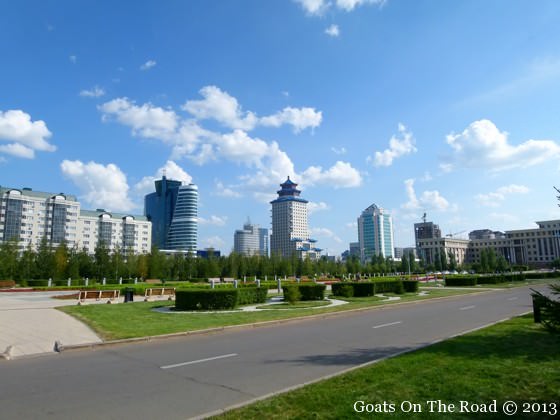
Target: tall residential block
point(29, 217)
point(251, 240)
point(375, 233)
point(173, 211)
point(290, 233)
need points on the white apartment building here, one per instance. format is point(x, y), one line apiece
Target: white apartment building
point(251, 240)
point(29, 216)
point(290, 232)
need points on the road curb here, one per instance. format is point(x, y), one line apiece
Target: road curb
point(62, 348)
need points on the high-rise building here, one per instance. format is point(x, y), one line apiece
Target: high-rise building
point(29, 217)
point(426, 230)
point(173, 211)
point(251, 240)
point(290, 233)
point(375, 233)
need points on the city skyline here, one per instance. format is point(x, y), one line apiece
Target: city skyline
point(422, 107)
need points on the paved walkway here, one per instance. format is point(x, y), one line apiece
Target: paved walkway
point(30, 324)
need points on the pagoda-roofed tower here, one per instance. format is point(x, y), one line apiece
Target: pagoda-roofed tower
point(290, 232)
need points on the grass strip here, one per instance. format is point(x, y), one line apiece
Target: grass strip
point(138, 319)
point(516, 360)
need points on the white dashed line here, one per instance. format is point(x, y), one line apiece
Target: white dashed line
point(387, 325)
point(198, 361)
point(464, 308)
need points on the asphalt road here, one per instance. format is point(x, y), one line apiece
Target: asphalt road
point(183, 377)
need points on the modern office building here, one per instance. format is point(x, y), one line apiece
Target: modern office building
point(354, 249)
point(535, 247)
point(290, 233)
point(251, 240)
point(29, 216)
point(426, 230)
point(375, 233)
point(173, 211)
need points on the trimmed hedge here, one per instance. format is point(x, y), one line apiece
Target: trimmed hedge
point(248, 295)
point(207, 299)
point(410, 286)
point(461, 281)
point(308, 291)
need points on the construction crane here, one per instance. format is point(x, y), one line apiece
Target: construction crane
point(452, 235)
point(424, 217)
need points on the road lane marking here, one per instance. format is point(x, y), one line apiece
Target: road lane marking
point(513, 298)
point(387, 325)
point(464, 308)
point(208, 359)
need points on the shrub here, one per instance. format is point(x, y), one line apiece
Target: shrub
point(342, 289)
point(208, 299)
point(461, 281)
point(291, 293)
point(312, 291)
point(550, 308)
point(248, 295)
point(410, 286)
point(399, 288)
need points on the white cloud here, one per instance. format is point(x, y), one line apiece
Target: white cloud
point(349, 5)
point(171, 171)
point(352, 225)
point(222, 107)
point(333, 31)
point(495, 199)
point(428, 200)
point(24, 136)
point(446, 167)
point(298, 118)
point(325, 233)
point(102, 186)
point(482, 145)
point(239, 147)
point(340, 175)
point(337, 151)
point(148, 65)
point(213, 242)
point(224, 191)
point(397, 148)
point(146, 120)
point(94, 92)
point(313, 207)
point(213, 220)
point(313, 7)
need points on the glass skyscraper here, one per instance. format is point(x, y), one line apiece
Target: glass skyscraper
point(173, 211)
point(375, 233)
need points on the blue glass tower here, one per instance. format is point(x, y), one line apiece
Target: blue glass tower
point(173, 211)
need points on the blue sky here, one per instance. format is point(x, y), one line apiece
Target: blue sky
point(448, 108)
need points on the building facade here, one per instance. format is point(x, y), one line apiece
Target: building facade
point(290, 233)
point(173, 211)
point(375, 233)
point(251, 240)
point(534, 247)
point(30, 217)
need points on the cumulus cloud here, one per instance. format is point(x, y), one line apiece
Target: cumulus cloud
point(482, 145)
point(428, 199)
point(148, 65)
point(349, 5)
point(222, 107)
point(213, 220)
point(325, 233)
point(298, 118)
point(318, 7)
point(24, 136)
point(100, 185)
point(313, 207)
point(313, 7)
point(333, 30)
point(340, 175)
point(338, 151)
point(397, 147)
point(495, 199)
point(171, 171)
point(94, 92)
point(224, 191)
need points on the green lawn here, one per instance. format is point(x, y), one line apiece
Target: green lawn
point(515, 360)
point(139, 320)
point(297, 305)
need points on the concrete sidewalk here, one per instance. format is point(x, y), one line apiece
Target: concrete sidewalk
point(30, 324)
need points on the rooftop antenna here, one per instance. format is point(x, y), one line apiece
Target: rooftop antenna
point(424, 217)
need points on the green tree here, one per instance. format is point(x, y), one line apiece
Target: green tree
point(8, 259)
point(44, 260)
point(60, 261)
point(102, 261)
point(26, 264)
